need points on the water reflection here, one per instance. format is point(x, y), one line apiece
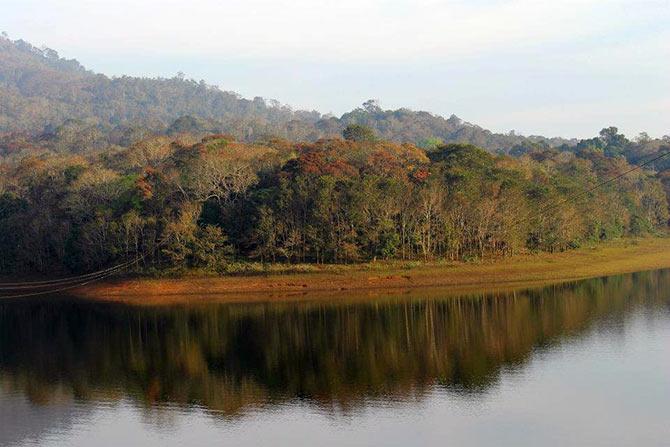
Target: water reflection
point(229, 359)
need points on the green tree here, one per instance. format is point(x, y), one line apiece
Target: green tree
point(358, 133)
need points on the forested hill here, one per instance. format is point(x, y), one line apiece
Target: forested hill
point(41, 93)
point(39, 89)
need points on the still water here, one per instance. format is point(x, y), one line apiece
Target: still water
point(585, 363)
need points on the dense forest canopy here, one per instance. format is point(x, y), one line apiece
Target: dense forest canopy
point(96, 171)
point(183, 202)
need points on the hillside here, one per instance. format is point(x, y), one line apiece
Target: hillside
point(52, 104)
point(40, 92)
point(180, 173)
point(39, 89)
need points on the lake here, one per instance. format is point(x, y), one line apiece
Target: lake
point(582, 363)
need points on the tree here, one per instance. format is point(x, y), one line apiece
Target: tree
point(614, 142)
point(372, 106)
point(358, 133)
point(431, 143)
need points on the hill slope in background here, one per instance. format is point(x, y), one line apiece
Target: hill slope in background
point(40, 89)
point(40, 92)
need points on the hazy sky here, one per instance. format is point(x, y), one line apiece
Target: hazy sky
point(561, 67)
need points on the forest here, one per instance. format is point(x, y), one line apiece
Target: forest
point(214, 203)
point(173, 175)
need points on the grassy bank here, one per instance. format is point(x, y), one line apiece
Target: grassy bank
point(621, 256)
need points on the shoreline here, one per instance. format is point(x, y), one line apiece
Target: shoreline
point(382, 278)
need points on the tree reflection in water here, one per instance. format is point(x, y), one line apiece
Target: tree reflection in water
point(229, 358)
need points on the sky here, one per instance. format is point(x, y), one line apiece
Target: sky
point(555, 68)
